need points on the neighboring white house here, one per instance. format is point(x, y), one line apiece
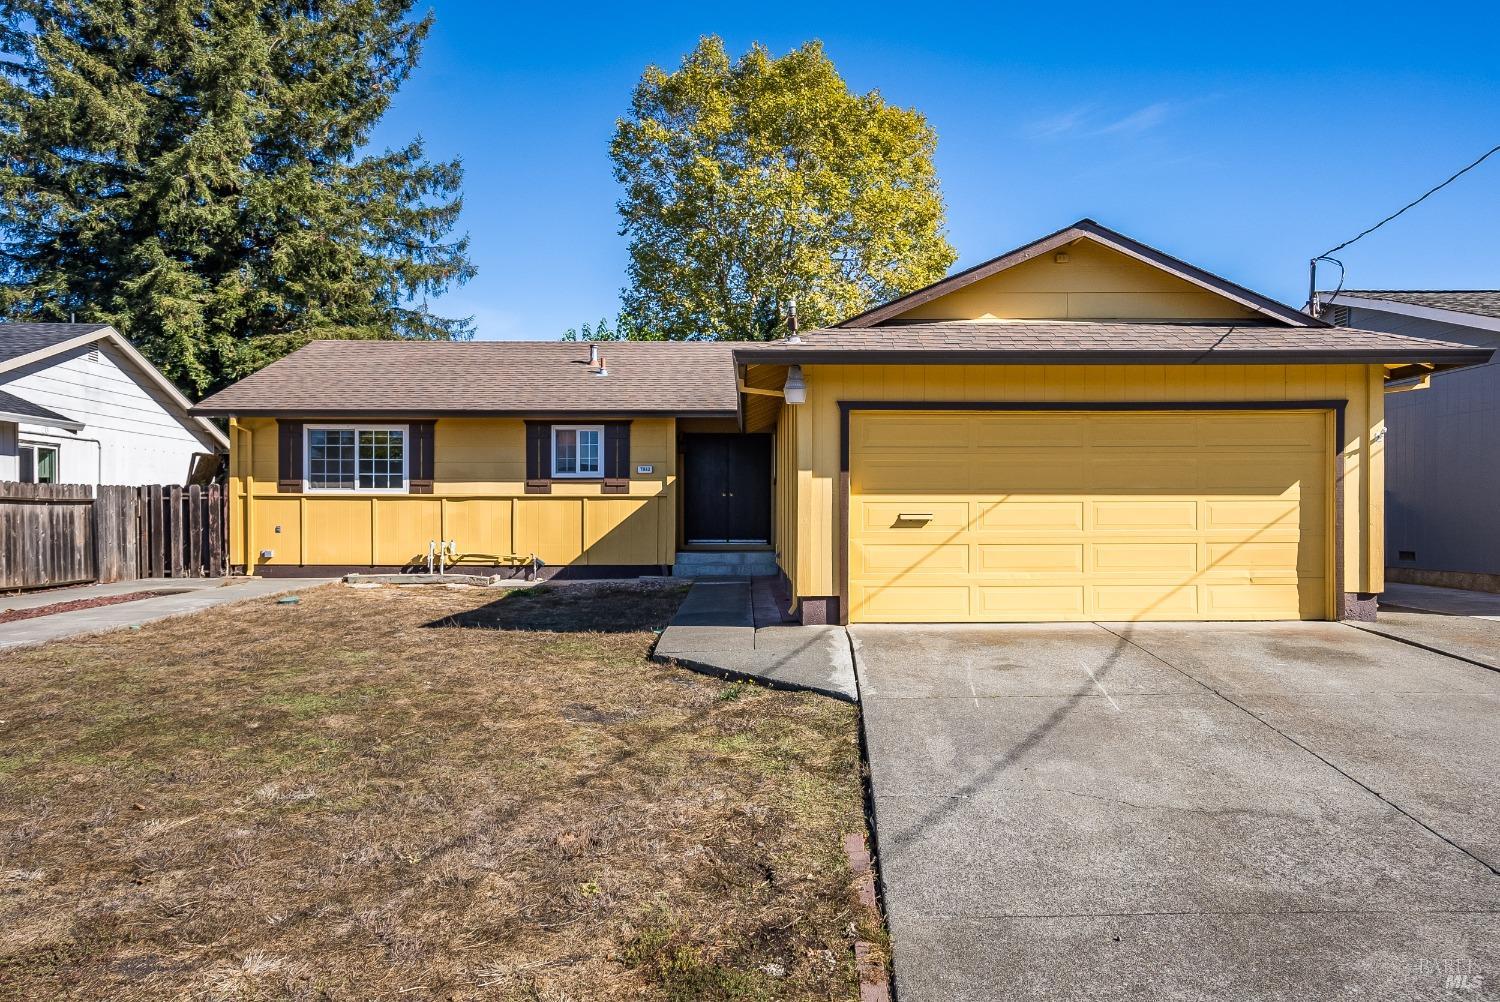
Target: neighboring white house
point(79, 405)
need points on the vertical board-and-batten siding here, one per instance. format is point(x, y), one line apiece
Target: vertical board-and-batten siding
point(1443, 470)
point(816, 463)
point(478, 499)
point(141, 438)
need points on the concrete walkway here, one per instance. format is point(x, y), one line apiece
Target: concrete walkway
point(1461, 624)
point(1447, 601)
point(715, 632)
point(189, 595)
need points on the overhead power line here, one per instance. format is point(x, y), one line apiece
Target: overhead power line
point(1312, 266)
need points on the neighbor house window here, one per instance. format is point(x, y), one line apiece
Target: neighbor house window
point(356, 458)
point(578, 450)
point(38, 463)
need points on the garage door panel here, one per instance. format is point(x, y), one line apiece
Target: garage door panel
point(1153, 473)
point(1270, 474)
point(939, 472)
point(1103, 515)
point(913, 603)
point(1145, 514)
point(902, 561)
point(1132, 431)
point(947, 517)
point(1267, 430)
point(1030, 602)
point(1269, 515)
point(1048, 432)
point(1146, 558)
point(912, 432)
point(1030, 558)
point(1041, 473)
point(1145, 601)
point(1015, 515)
point(1249, 601)
point(1288, 557)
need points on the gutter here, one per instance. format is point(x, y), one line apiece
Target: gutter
point(1446, 357)
point(300, 413)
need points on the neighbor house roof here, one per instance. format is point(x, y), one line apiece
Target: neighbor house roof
point(1094, 341)
point(1479, 302)
point(17, 340)
point(433, 378)
point(22, 345)
point(13, 408)
point(1086, 228)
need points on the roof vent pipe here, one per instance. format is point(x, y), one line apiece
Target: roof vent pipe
point(791, 322)
point(603, 369)
point(593, 354)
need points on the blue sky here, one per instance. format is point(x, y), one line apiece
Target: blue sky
point(1244, 139)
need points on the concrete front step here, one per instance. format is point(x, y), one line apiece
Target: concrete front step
point(725, 564)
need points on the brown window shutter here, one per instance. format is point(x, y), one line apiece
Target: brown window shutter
point(289, 457)
point(538, 457)
point(420, 460)
point(617, 457)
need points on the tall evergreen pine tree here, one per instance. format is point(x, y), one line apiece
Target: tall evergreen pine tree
point(192, 171)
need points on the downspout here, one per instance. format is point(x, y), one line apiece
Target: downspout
point(245, 435)
point(98, 459)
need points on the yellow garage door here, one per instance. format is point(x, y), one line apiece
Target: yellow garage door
point(1017, 516)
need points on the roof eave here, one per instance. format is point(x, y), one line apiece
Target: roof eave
point(1444, 358)
point(66, 424)
point(1437, 314)
point(351, 414)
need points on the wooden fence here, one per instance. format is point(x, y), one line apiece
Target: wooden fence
point(57, 534)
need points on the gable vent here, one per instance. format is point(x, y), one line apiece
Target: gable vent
point(93, 357)
point(1339, 316)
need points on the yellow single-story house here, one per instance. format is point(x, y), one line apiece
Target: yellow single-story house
point(1085, 428)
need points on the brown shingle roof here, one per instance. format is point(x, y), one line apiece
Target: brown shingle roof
point(1120, 342)
point(1480, 302)
point(329, 378)
point(486, 377)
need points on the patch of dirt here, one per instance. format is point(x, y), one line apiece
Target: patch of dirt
point(343, 800)
point(72, 605)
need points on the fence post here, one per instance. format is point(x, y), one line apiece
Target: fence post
point(217, 532)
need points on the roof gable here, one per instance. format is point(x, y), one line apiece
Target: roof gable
point(1107, 276)
point(24, 345)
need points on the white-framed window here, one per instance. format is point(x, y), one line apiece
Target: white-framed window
point(38, 463)
point(364, 458)
point(578, 450)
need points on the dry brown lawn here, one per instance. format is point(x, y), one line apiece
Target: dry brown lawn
point(412, 793)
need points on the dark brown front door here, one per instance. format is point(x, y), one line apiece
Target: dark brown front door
point(727, 480)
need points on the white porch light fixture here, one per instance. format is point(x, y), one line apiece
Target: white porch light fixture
point(795, 388)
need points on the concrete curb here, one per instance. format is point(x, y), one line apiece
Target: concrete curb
point(1375, 630)
point(736, 675)
point(874, 978)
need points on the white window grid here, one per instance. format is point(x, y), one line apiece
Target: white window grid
point(578, 454)
point(356, 459)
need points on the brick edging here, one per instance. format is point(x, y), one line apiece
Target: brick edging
point(874, 978)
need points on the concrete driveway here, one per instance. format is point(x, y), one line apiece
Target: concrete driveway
point(1261, 811)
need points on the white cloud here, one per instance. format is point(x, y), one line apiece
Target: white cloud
point(1138, 121)
point(1060, 124)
